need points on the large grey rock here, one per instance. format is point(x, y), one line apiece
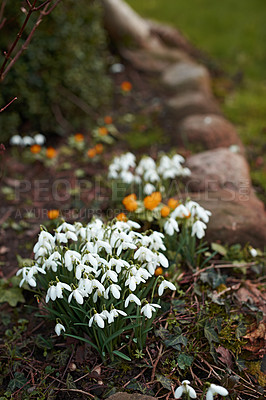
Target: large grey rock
point(149, 60)
point(210, 131)
point(219, 168)
point(236, 218)
point(189, 103)
point(127, 396)
point(184, 76)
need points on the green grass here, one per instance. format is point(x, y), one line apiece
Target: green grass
point(233, 33)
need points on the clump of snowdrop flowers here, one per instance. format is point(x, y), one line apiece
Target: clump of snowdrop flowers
point(99, 280)
point(24, 141)
point(152, 176)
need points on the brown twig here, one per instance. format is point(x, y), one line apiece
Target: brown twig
point(77, 391)
point(3, 109)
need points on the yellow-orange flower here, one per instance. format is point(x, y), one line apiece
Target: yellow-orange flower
point(35, 148)
point(51, 152)
point(165, 211)
point(99, 148)
point(53, 214)
point(126, 86)
point(103, 131)
point(122, 217)
point(130, 202)
point(152, 201)
point(79, 137)
point(108, 120)
point(91, 152)
point(173, 203)
point(158, 271)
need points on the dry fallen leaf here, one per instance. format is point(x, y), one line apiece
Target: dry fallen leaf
point(225, 357)
point(258, 333)
point(4, 250)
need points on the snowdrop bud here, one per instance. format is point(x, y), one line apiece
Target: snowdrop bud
point(58, 328)
point(253, 252)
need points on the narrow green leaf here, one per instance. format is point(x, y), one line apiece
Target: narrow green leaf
point(122, 355)
point(83, 340)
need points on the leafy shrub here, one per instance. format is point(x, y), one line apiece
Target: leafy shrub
point(60, 80)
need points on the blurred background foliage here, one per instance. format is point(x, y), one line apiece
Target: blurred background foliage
point(60, 80)
point(233, 34)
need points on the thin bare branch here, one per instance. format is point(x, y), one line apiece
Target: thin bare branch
point(3, 109)
point(2, 20)
point(45, 10)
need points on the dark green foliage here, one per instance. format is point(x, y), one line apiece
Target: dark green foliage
point(60, 80)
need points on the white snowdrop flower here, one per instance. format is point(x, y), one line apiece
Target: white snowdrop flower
point(109, 274)
point(71, 257)
point(127, 177)
point(234, 148)
point(66, 227)
point(98, 285)
point(148, 309)
point(98, 319)
point(132, 298)
point(162, 260)
point(114, 289)
point(27, 276)
point(56, 292)
point(80, 268)
point(27, 141)
point(92, 259)
point(146, 163)
point(59, 328)
point(114, 313)
point(132, 282)
point(85, 286)
point(185, 388)
point(180, 212)
point(151, 176)
point(143, 273)
point(185, 171)
point(107, 247)
point(215, 389)
point(171, 226)
point(116, 68)
point(156, 241)
point(39, 139)
point(137, 179)
point(77, 296)
point(144, 254)
point(124, 245)
point(119, 264)
point(45, 240)
point(177, 159)
point(165, 284)
point(61, 237)
point(253, 252)
point(71, 235)
point(198, 229)
point(80, 230)
point(16, 140)
point(149, 189)
point(198, 211)
point(133, 224)
point(53, 261)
